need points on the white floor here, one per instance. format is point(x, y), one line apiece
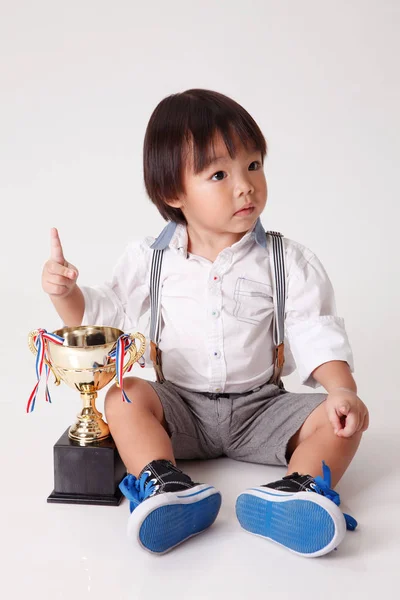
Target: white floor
point(54, 551)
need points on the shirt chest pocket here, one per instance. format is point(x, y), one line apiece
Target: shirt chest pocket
point(253, 300)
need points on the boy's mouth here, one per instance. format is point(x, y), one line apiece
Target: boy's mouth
point(244, 212)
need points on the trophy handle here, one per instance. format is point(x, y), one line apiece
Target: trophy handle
point(33, 349)
point(134, 353)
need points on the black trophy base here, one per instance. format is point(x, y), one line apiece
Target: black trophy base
point(87, 474)
point(59, 498)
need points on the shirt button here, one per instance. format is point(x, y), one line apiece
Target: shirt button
point(217, 389)
point(216, 278)
point(217, 354)
point(215, 313)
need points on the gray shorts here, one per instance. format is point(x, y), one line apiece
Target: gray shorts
point(253, 427)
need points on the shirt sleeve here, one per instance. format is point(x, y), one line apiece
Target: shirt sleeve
point(122, 301)
point(315, 333)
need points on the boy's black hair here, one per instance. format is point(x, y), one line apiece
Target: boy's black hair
point(188, 122)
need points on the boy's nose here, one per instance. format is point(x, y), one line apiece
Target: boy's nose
point(244, 186)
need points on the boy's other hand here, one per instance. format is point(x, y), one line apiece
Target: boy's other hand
point(346, 412)
point(59, 276)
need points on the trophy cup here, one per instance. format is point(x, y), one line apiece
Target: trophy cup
point(87, 465)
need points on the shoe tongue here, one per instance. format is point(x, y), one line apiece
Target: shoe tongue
point(157, 468)
point(296, 474)
point(164, 471)
point(293, 483)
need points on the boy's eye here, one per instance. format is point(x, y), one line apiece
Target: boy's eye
point(217, 173)
point(256, 162)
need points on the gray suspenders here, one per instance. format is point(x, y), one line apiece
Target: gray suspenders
point(277, 258)
point(155, 312)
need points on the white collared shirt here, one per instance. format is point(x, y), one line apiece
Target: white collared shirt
point(217, 317)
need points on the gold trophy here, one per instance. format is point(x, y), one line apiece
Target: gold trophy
point(87, 466)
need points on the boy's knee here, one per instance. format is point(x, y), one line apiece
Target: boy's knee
point(317, 419)
point(139, 392)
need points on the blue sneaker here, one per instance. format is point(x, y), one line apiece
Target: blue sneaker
point(167, 507)
point(309, 524)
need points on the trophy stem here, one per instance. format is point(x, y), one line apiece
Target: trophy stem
point(90, 426)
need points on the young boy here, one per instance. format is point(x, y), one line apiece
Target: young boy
point(218, 389)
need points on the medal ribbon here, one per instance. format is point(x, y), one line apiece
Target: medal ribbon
point(40, 343)
point(118, 354)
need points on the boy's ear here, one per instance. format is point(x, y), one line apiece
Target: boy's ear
point(175, 203)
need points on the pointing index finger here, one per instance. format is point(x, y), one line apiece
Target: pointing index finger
point(56, 251)
point(351, 425)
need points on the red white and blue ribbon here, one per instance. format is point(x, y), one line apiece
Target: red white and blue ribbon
point(40, 343)
point(123, 343)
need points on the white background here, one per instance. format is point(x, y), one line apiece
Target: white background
point(78, 83)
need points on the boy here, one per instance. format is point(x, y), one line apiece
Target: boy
point(218, 389)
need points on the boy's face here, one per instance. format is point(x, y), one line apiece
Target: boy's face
point(214, 196)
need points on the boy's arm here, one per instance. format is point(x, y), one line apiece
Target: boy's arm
point(70, 308)
point(103, 305)
point(316, 335)
point(335, 374)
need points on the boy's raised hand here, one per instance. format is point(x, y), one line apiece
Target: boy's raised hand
point(59, 276)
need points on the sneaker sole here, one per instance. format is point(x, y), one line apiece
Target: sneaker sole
point(166, 520)
point(306, 523)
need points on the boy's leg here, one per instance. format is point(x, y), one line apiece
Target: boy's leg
point(301, 510)
point(166, 506)
point(139, 428)
point(315, 441)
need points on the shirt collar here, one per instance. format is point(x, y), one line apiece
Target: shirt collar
point(174, 235)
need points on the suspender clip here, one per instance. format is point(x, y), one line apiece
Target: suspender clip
point(280, 355)
point(155, 355)
point(278, 364)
